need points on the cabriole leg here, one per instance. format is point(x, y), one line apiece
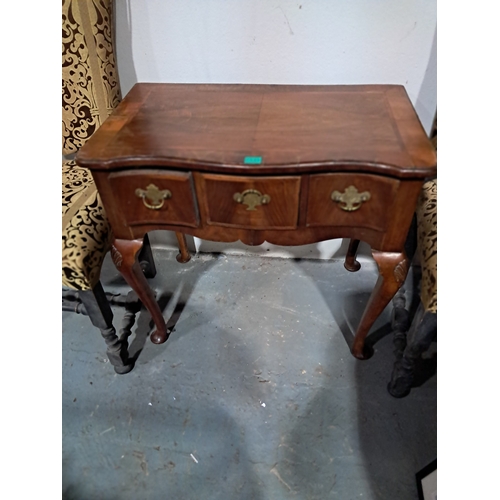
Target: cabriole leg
point(393, 268)
point(124, 254)
point(183, 256)
point(350, 263)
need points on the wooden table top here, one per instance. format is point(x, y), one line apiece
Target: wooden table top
point(264, 129)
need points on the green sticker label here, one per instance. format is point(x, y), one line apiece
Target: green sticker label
point(253, 160)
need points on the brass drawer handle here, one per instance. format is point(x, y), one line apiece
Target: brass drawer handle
point(350, 199)
point(252, 198)
point(155, 195)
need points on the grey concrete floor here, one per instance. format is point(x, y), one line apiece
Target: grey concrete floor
point(254, 395)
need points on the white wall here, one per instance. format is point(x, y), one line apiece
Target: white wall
point(289, 42)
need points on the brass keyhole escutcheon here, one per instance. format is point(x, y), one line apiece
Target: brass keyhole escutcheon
point(251, 198)
point(350, 200)
point(155, 196)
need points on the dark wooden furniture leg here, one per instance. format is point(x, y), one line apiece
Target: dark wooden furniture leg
point(350, 263)
point(146, 260)
point(393, 268)
point(419, 338)
point(100, 313)
point(124, 254)
point(183, 256)
point(400, 322)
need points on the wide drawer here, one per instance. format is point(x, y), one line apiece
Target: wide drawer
point(155, 197)
point(353, 200)
point(250, 202)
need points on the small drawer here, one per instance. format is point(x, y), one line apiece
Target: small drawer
point(251, 202)
point(353, 200)
point(155, 197)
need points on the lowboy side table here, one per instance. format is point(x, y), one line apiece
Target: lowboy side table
point(286, 164)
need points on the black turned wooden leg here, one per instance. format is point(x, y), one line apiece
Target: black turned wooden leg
point(99, 312)
point(400, 323)
point(146, 260)
point(132, 306)
point(419, 338)
point(350, 263)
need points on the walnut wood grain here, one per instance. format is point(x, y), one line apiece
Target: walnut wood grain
point(179, 209)
point(293, 128)
point(208, 144)
point(220, 207)
point(373, 213)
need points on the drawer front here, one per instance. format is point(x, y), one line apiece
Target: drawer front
point(251, 202)
point(155, 197)
point(353, 200)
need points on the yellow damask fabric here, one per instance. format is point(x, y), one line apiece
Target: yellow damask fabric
point(90, 90)
point(90, 87)
point(86, 235)
point(427, 244)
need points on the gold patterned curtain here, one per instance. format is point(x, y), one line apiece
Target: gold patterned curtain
point(90, 88)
